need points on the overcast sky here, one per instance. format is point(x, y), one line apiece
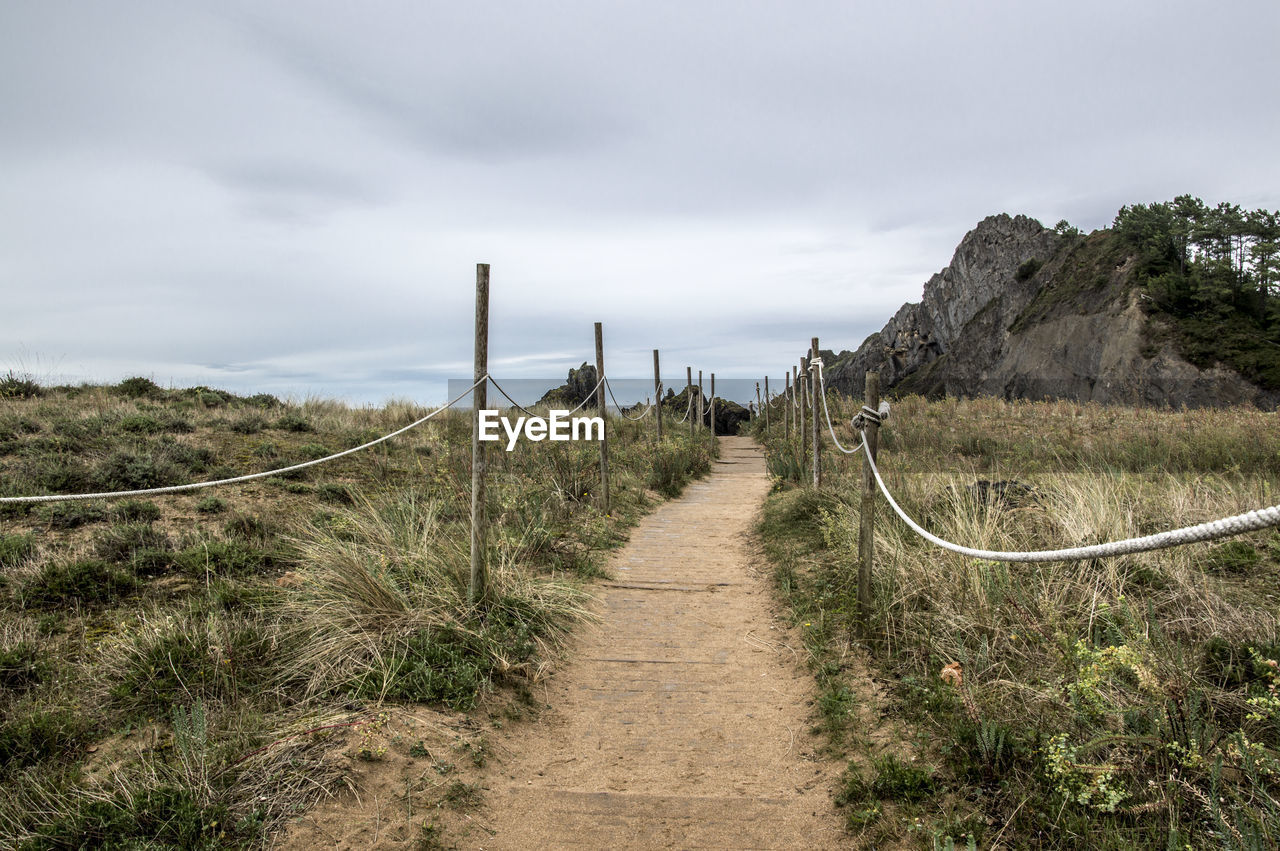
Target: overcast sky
point(291, 197)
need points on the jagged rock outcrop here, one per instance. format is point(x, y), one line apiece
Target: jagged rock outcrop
point(729, 416)
point(575, 391)
point(1023, 312)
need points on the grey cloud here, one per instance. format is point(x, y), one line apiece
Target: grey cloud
point(291, 197)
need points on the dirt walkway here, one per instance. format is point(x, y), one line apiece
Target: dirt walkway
point(683, 719)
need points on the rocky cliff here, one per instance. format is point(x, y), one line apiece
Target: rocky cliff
point(1024, 312)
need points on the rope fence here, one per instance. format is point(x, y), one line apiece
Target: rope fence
point(478, 390)
point(1251, 521)
point(246, 478)
point(648, 408)
point(191, 486)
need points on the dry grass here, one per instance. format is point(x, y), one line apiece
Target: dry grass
point(163, 660)
point(1102, 703)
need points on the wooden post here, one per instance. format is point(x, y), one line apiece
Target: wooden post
point(866, 526)
point(713, 405)
point(804, 403)
point(815, 391)
point(479, 522)
point(604, 416)
point(766, 402)
point(688, 384)
point(786, 407)
point(758, 408)
point(657, 394)
point(701, 412)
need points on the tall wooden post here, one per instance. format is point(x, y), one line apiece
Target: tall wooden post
point(787, 399)
point(766, 403)
point(758, 407)
point(713, 404)
point(688, 385)
point(801, 373)
point(701, 411)
point(815, 391)
point(604, 417)
point(479, 521)
point(657, 394)
point(866, 526)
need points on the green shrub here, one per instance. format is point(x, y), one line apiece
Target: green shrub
point(21, 666)
point(39, 737)
point(293, 422)
point(121, 542)
point(206, 397)
point(786, 463)
point(139, 388)
point(251, 424)
point(129, 470)
point(211, 505)
point(267, 450)
point(252, 527)
point(894, 781)
point(338, 494)
point(311, 451)
point(673, 465)
point(1234, 557)
point(164, 816)
point(55, 472)
point(1028, 269)
point(136, 511)
point(86, 582)
point(223, 558)
point(263, 400)
point(149, 424)
point(15, 549)
point(445, 665)
point(14, 386)
point(72, 515)
point(192, 656)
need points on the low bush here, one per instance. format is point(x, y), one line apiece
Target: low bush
point(166, 815)
point(293, 422)
point(674, 464)
point(135, 511)
point(72, 515)
point(14, 386)
point(41, 736)
point(177, 657)
point(15, 549)
point(211, 505)
point(249, 424)
point(224, 559)
point(21, 666)
point(122, 542)
point(75, 583)
point(139, 388)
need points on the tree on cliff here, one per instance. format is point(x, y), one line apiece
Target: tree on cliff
point(1214, 274)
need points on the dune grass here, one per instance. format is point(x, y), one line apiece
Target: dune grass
point(163, 659)
point(1117, 703)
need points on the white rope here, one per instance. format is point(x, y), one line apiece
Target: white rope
point(513, 402)
point(688, 409)
point(1251, 521)
point(590, 393)
point(251, 476)
point(822, 381)
point(609, 387)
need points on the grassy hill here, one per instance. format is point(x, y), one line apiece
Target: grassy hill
point(1126, 702)
point(171, 666)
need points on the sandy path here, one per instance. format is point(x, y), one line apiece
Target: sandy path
point(683, 719)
